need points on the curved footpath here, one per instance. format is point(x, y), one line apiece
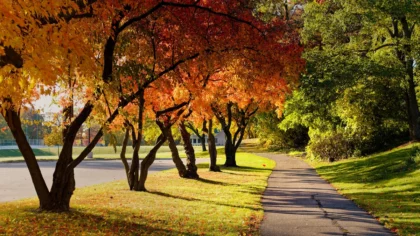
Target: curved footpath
point(298, 202)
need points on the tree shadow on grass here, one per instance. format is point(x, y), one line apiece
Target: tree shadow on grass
point(201, 200)
point(109, 223)
point(208, 181)
point(246, 169)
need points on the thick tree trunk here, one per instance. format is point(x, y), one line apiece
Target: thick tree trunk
point(189, 150)
point(182, 170)
point(212, 149)
point(230, 151)
point(13, 121)
point(62, 189)
point(147, 162)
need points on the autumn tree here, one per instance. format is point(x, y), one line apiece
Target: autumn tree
point(78, 39)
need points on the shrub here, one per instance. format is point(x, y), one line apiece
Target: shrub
point(332, 146)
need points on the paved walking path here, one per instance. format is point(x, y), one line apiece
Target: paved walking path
point(298, 202)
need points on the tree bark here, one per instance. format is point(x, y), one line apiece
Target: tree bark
point(189, 150)
point(212, 147)
point(13, 121)
point(135, 163)
point(409, 69)
point(203, 142)
point(182, 170)
point(408, 62)
point(122, 154)
point(147, 162)
point(230, 150)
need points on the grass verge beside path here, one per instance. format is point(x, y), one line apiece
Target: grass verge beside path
point(224, 203)
point(386, 184)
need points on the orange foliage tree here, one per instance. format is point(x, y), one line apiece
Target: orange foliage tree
point(105, 54)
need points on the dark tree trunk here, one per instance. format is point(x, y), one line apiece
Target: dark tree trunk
point(212, 147)
point(189, 150)
point(203, 142)
point(13, 121)
point(135, 163)
point(147, 162)
point(182, 170)
point(230, 151)
point(413, 107)
point(122, 154)
point(63, 187)
point(407, 60)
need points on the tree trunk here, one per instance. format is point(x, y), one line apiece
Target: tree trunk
point(122, 154)
point(182, 170)
point(147, 162)
point(413, 107)
point(212, 149)
point(408, 62)
point(189, 150)
point(63, 187)
point(13, 121)
point(135, 163)
point(230, 151)
point(203, 142)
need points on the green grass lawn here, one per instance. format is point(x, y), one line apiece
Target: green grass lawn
point(99, 153)
point(224, 203)
point(386, 184)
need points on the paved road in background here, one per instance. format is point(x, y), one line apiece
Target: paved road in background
point(16, 183)
point(298, 202)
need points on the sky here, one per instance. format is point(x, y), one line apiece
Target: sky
point(46, 105)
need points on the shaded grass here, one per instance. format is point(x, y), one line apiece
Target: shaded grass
point(222, 203)
point(99, 153)
point(385, 184)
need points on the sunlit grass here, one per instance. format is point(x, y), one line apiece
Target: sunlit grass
point(224, 203)
point(386, 184)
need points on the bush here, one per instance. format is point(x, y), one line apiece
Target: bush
point(333, 146)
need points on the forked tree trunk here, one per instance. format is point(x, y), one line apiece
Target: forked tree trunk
point(189, 150)
point(212, 147)
point(135, 163)
point(63, 187)
point(147, 162)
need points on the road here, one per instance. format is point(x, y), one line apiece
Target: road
point(298, 202)
point(16, 183)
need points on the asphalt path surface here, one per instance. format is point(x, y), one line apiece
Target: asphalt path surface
point(16, 183)
point(298, 202)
